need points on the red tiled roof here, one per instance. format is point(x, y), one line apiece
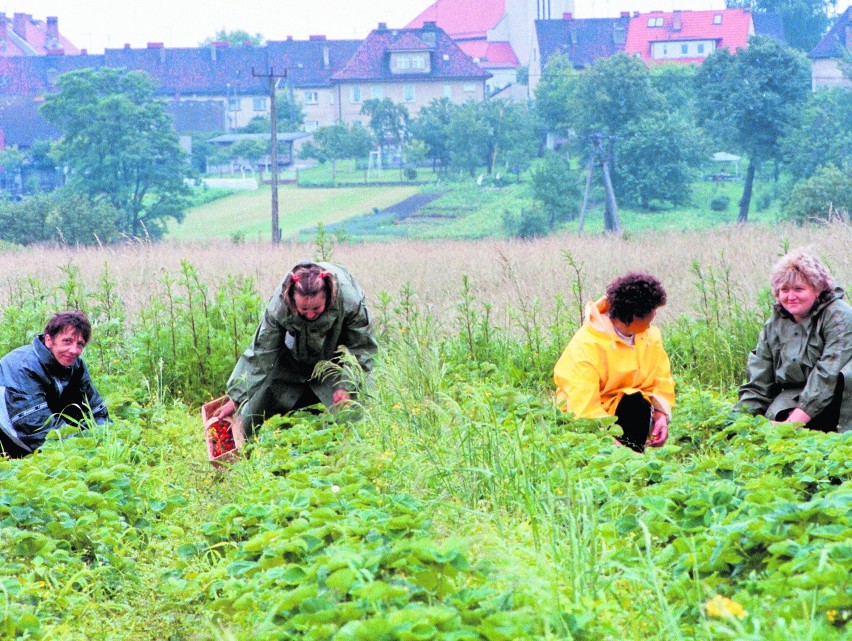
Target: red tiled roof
point(33, 39)
point(490, 54)
point(731, 33)
point(462, 18)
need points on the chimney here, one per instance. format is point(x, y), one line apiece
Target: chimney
point(289, 38)
point(383, 26)
point(53, 26)
point(635, 14)
point(625, 14)
point(567, 16)
point(19, 24)
point(677, 20)
point(127, 45)
point(155, 45)
point(84, 52)
point(316, 37)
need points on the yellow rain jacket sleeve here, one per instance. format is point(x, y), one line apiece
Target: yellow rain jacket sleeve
point(598, 368)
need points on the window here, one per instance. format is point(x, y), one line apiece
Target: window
point(684, 49)
point(355, 93)
point(403, 63)
point(655, 22)
point(448, 91)
point(700, 47)
point(717, 19)
point(311, 125)
point(260, 104)
point(418, 62)
point(408, 93)
point(311, 97)
point(377, 92)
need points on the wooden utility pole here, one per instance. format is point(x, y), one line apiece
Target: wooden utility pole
point(273, 149)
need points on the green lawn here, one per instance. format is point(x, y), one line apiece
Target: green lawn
point(248, 214)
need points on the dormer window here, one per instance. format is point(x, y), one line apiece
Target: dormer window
point(410, 62)
point(717, 19)
point(655, 22)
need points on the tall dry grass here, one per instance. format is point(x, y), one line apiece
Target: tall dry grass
point(500, 271)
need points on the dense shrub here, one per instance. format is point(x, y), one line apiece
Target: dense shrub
point(61, 216)
point(824, 196)
point(720, 203)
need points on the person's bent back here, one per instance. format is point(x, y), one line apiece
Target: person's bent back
point(46, 385)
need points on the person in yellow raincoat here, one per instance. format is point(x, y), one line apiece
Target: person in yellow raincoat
point(615, 364)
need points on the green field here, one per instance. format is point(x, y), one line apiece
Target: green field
point(464, 211)
point(458, 504)
point(248, 214)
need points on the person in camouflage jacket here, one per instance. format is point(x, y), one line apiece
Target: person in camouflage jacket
point(315, 311)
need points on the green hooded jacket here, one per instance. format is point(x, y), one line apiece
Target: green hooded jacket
point(287, 346)
point(798, 364)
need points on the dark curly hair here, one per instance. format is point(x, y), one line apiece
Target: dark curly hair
point(634, 295)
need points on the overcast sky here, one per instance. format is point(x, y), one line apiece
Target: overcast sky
point(99, 24)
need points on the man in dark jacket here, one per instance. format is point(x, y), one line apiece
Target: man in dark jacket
point(46, 385)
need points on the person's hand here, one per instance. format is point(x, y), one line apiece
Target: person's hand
point(227, 409)
point(340, 396)
point(659, 432)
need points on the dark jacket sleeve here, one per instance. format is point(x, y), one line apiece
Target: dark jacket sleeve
point(759, 389)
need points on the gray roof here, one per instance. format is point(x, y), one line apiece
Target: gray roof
point(835, 41)
point(583, 41)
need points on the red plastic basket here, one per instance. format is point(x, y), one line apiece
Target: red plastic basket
point(234, 424)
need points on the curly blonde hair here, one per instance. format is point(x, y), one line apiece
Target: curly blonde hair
point(799, 265)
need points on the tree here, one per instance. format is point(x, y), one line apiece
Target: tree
point(289, 116)
point(119, 144)
point(251, 152)
point(675, 83)
point(749, 99)
point(657, 156)
point(336, 142)
point(824, 196)
point(388, 121)
point(236, 38)
point(555, 95)
point(823, 136)
point(432, 127)
point(612, 93)
point(557, 188)
point(468, 136)
point(510, 133)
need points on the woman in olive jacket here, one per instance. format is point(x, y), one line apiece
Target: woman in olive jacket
point(317, 309)
point(800, 370)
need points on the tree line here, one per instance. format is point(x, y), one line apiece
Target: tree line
point(127, 175)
